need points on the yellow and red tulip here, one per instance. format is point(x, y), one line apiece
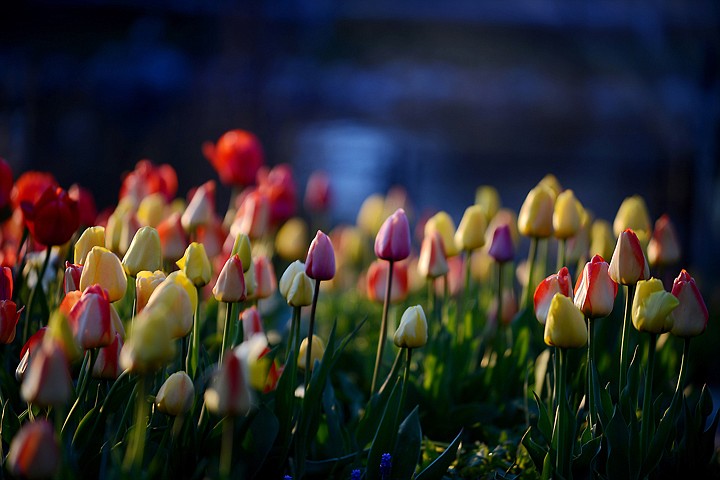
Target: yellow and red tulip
point(691, 316)
point(595, 291)
point(545, 292)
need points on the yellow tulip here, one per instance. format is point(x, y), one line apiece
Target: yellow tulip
point(195, 264)
point(144, 252)
point(470, 234)
point(412, 332)
point(488, 197)
point(292, 239)
point(535, 218)
point(104, 268)
point(176, 395)
point(565, 325)
point(567, 215)
point(652, 307)
point(91, 237)
point(442, 223)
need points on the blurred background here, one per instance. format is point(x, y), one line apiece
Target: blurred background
point(613, 97)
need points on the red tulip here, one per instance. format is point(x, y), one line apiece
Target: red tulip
point(691, 316)
point(173, 238)
point(556, 283)
point(86, 204)
point(47, 382)
point(253, 216)
point(320, 261)
point(90, 319)
point(393, 239)
point(595, 291)
point(317, 192)
point(664, 246)
point(53, 218)
point(230, 284)
point(6, 283)
point(107, 364)
point(28, 351)
point(9, 316)
point(30, 185)
point(236, 157)
point(266, 282)
point(34, 451)
point(377, 281)
point(147, 179)
point(278, 186)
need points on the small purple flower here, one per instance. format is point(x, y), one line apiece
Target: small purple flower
point(287, 477)
point(355, 474)
point(385, 466)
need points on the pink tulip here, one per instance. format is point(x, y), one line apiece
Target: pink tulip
point(90, 319)
point(691, 316)
point(320, 261)
point(393, 240)
point(595, 291)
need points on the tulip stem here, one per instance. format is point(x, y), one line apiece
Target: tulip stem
point(625, 345)
point(590, 366)
point(383, 328)
point(83, 380)
point(135, 451)
point(226, 331)
point(194, 354)
point(561, 253)
point(31, 300)
point(226, 447)
point(531, 273)
point(647, 397)
point(308, 351)
point(560, 459)
point(406, 378)
point(683, 368)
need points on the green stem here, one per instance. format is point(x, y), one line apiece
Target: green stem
point(226, 332)
point(683, 368)
point(590, 366)
point(383, 328)
point(561, 465)
point(83, 381)
point(406, 378)
point(226, 447)
point(31, 300)
point(625, 345)
point(499, 340)
point(647, 397)
point(562, 251)
point(529, 287)
point(311, 327)
point(194, 353)
point(136, 449)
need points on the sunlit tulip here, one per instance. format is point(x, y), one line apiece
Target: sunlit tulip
point(502, 248)
point(173, 238)
point(317, 192)
point(488, 198)
point(90, 319)
point(266, 282)
point(6, 283)
point(47, 381)
point(144, 252)
point(34, 451)
point(9, 316)
point(176, 395)
point(236, 157)
point(253, 354)
point(172, 299)
point(104, 268)
point(295, 286)
point(151, 210)
point(432, 262)
point(229, 393)
point(320, 260)
point(595, 291)
point(376, 281)
point(628, 263)
point(230, 285)
point(148, 178)
point(550, 181)
point(181, 279)
point(536, 213)
point(243, 249)
point(107, 364)
point(602, 240)
point(633, 214)
point(145, 284)
point(195, 264)
point(253, 216)
point(53, 218)
point(567, 215)
point(291, 241)
point(691, 316)
point(664, 246)
point(316, 352)
point(149, 345)
point(412, 331)
point(556, 283)
point(652, 306)
point(393, 239)
point(442, 223)
point(470, 234)
point(91, 237)
point(565, 326)
point(201, 209)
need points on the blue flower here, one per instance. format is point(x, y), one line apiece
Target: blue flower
point(385, 466)
point(355, 474)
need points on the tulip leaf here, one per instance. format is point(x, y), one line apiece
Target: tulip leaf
point(439, 467)
point(662, 435)
point(544, 425)
point(373, 412)
point(629, 394)
point(618, 439)
point(407, 447)
point(536, 451)
point(336, 445)
point(385, 434)
point(259, 439)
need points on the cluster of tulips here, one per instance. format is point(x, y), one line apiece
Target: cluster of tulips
point(155, 340)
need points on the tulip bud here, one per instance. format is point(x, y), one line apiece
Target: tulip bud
point(393, 239)
point(550, 181)
point(444, 225)
point(320, 261)
point(291, 241)
point(633, 214)
point(652, 307)
point(501, 247)
point(300, 292)
point(236, 157)
point(556, 283)
point(264, 277)
point(253, 216)
point(377, 281)
point(488, 198)
point(151, 210)
point(316, 354)
point(179, 277)
point(567, 215)
point(565, 326)
point(53, 218)
point(107, 364)
point(602, 240)
point(535, 218)
point(47, 382)
point(628, 263)
point(104, 268)
point(201, 209)
point(470, 234)
point(34, 451)
point(230, 285)
point(61, 334)
point(432, 262)
point(129, 228)
point(6, 283)
point(150, 345)
point(71, 281)
point(251, 322)
point(9, 316)
point(370, 214)
point(412, 331)
point(90, 319)
point(91, 237)
point(250, 282)
point(229, 392)
point(595, 291)
point(691, 316)
point(317, 192)
point(144, 252)
point(664, 246)
point(243, 249)
point(195, 264)
point(176, 395)
point(145, 284)
point(173, 238)
point(171, 298)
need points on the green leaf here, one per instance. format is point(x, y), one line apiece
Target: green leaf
point(439, 467)
point(9, 423)
point(662, 435)
point(407, 447)
point(331, 408)
point(618, 438)
point(544, 425)
point(260, 438)
point(385, 434)
point(537, 452)
point(375, 407)
point(629, 394)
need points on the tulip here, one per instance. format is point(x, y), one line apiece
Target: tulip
point(253, 352)
point(567, 215)
point(317, 349)
point(28, 351)
point(6, 283)
point(236, 157)
point(195, 264)
point(201, 209)
point(444, 225)
point(488, 198)
point(230, 285)
point(53, 218)
point(320, 260)
point(602, 240)
point(34, 451)
point(628, 263)
point(369, 217)
point(90, 319)
point(278, 186)
point(288, 275)
point(121, 224)
point(264, 277)
point(501, 247)
point(251, 322)
point(71, 280)
point(229, 392)
point(550, 181)
point(291, 241)
point(470, 234)
point(432, 262)
point(173, 238)
point(60, 333)
point(144, 252)
point(392, 242)
point(145, 284)
point(85, 202)
point(150, 344)
point(172, 299)
point(595, 291)
point(147, 179)
point(181, 279)
point(633, 214)
point(47, 382)
point(565, 325)
point(412, 331)
point(536, 214)
point(545, 292)
point(107, 364)
point(253, 216)
point(176, 395)
point(9, 316)
point(652, 306)
point(691, 316)
point(151, 210)
point(104, 268)
point(377, 281)
point(300, 291)
point(664, 246)
point(317, 192)
point(242, 248)
point(30, 186)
